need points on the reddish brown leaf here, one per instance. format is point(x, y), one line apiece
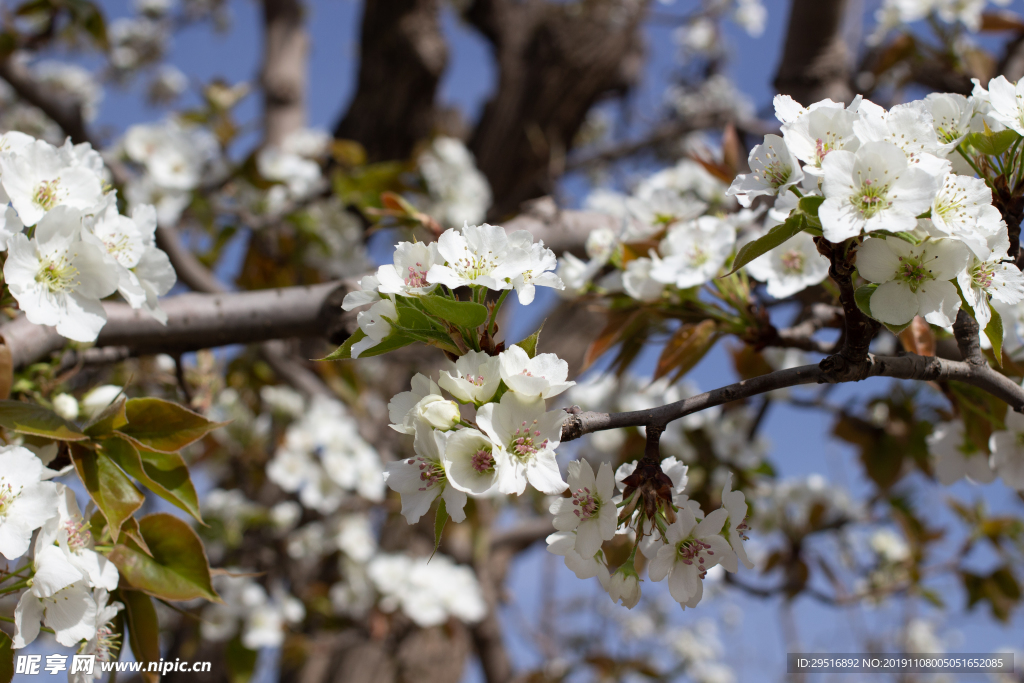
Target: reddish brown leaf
point(918, 337)
point(618, 322)
point(685, 348)
point(1002, 21)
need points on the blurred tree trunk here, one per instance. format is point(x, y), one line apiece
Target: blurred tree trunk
point(555, 61)
point(402, 56)
point(816, 61)
point(284, 75)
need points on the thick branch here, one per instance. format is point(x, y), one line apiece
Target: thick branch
point(560, 230)
point(65, 112)
point(910, 366)
point(815, 61)
point(199, 321)
point(284, 74)
point(966, 330)
point(859, 329)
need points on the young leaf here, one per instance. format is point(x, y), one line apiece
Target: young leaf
point(163, 426)
point(178, 568)
point(685, 348)
point(413, 318)
point(530, 343)
point(810, 204)
point(112, 417)
point(992, 144)
point(114, 493)
point(165, 474)
point(29, 418)
point(862, 297)
point(143, 630)
point(6, 658)
point(241, 661)
point(462, 313)
point(440, 519)
point(344, 352)
point(762, 245)
point(994, 332)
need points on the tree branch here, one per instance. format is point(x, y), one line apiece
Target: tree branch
point(199, 321)
point(65, 112)
point(966, 330)
point(910, 366)
point(815, 60)
point(283, 76)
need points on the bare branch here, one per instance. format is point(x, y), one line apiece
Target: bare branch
point(560, 230)
point(65, 112)
point(815, 60)
point(910, 366)
point(966, 330)
point(198, 321)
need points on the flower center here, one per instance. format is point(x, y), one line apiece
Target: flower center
point(107, 643)
point(587, 504)
point(691, 551)
point(431, 471)
point(417, 276)
point(698, 257)
point(476, 380)
point(983, 275)
point(78, 535)
point(7, 496)
point(483, 461)
point(57, 273)
point(473, 265)
point(792, 262)
point(871, 198)
point(913, 272)
point(46, 194)
point(775, 172)
point(522, 444)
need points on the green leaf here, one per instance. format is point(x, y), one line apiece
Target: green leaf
point(241, 661)
point(344, 352)
point(413, 318)
point(530, 343)
point(809, 206)
point(862, 297)
point(762, 245)
point(29, 418)
point(143, 629)
point(994, 332)
point(992, 144)
point(6, 658)
point(178, 568)
point(440, 519)
point(114, 493)
point(896, 329)
point(902, 235)
point(165, 474)
point(164, 426)
point(112, 417)
point(462, 313)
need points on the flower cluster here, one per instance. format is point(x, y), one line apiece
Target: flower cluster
point(900, 184)
point(246, 604)
point(78, 248)
point(957, 455)
point(65, 582)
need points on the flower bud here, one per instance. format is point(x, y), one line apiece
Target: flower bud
point(437, 412)
point(66, 406)
point(624, 585)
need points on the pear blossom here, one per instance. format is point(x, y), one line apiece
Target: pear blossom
point(1007, 102)
point(58, 279)
point(10, 225)
point(366, 294)
point(422, 478)
point(690, 551)
point(874, 188)
point(951, 116)
point(542, 376)
point(153, 272)
point(38, 179)
point(811, 134)
point(524, 438)
point(98, 398)
point(459, 192)
point(71, 531)
point(591, 510)
point(478, 255)
point(401, 406)
point(563, 543)
point(963, 209)
point(538, 271)
point(957, 456)
point(66, 406)
point(473, 378)
point(104, 643)
point(692, 255)
point(374, 325)
point(734, 528)
point(428, 592)
point(407, 276)
point(639, 282)
point(174, 155)
point(1007, 446)
point(435, 411)
point(27, 500)
point(773, 170)
point(913, 279)
point(652, 214)
point(70, 612)
point(301, 176)
point(908, 126)
point(624, 586)
point(1004, 281)
point(791, 267)
point(470, 462)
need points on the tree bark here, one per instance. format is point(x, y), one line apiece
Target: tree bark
point(555, 61)
point(403, 54)
point(284, 74)
point(815, 60)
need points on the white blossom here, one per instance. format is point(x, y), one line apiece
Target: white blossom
point(27, 499)
point(913, 279)
point(957, 456)
point(563, 543)
point(470, 463)
point(773, 170)
point(1004, 281)
point(590, 511)
point(691, 550)
point(374, 325)
point(693, 253)
point(408, 274)
point(1007, 446)
point(1007, 102)
point(812, 133)
point(473, 378)
point(38, 180)
point(422, 478)
point(791, 267)
point(524, 438)
point(542, 376)
point(478, 255)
